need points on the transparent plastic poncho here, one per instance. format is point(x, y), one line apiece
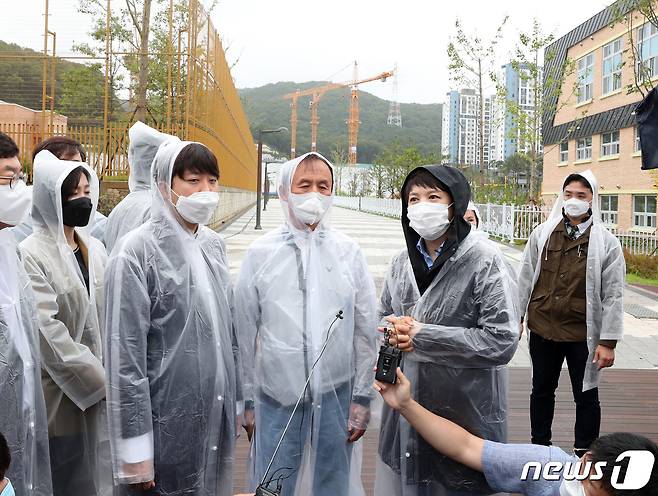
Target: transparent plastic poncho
point(23, 419)
point(292, 283)
point(605, 278)
point(170, 351)
point(135, 209)
point(70, 319)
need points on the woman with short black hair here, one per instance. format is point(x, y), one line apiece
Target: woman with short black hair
point(448, 300)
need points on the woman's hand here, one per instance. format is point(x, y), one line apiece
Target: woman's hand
point(403, 331)
point(398, 395)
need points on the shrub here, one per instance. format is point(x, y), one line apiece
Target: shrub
point(645, 266)
point(109, 199)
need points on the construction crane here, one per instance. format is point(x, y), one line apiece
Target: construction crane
point(317, 93)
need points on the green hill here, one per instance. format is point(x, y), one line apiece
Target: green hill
point(266, 109)
point(79, 88)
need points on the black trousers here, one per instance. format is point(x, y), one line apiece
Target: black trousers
point(72, 471)
point(547, 358)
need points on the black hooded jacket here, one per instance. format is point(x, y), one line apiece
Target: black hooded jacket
point(458, 187)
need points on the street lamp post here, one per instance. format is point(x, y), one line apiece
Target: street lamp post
point(266, 193)
point(259, 186)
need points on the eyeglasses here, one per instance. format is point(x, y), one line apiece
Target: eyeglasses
point(15, 179)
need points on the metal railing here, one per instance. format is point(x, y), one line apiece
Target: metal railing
point(511, 223)
point(637, 243)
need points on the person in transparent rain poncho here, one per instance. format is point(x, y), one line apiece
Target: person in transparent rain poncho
point(66, 269)
point(64, 148)
point(23, 411)
point(135, 209)
point(292, 283)
point(571, 288)
point(171, 368)
point(449, 297)
point(473, 217)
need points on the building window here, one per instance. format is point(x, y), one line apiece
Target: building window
point(647, 47)
point(609, 209)
point(644, 211)
point(564, 152)
point(610, 144)
point(585, 77)
point(637, 146)
point(584, 148)
point(526, 88)
point(612, 63)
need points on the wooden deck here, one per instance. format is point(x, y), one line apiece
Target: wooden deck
point(629, 400)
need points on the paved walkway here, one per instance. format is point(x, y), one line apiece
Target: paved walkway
point(628, 396)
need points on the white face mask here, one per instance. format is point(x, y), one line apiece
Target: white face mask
point(429, 220)
point(574, 207)
point(572, 488)
point(8, 490)
point(310, 208)
point(15, 203)
point(198, 207)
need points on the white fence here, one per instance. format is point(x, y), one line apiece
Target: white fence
point(638, 243)
point(511, 222)
point(380, 206)
point(508, 222)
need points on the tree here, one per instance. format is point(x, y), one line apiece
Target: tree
point(139, 12)
point(472, 62)
point(377, 176)
point(547, 88)
point(339, 157)
point(82, 91)
point(364, 188)
point(145, 34)
point(621, 13)
point(353, 183)
point(517, 166)
point(643, 76)
point(129, 32)
point(397, 162)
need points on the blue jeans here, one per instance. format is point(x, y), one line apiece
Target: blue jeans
point(325, 421)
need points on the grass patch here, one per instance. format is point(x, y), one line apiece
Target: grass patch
point(635, 279)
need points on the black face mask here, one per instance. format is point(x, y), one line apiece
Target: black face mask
point(77, 212)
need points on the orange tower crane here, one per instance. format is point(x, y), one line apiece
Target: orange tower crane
point(317, 93)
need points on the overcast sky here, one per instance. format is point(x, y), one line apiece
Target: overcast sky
point(302, 40)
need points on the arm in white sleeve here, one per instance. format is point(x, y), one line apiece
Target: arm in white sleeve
point(128, 321)
point(526, 276)
point(72, 365)
point(385, 308)
point(613, 276)
point(365, 331)
point(246, 319)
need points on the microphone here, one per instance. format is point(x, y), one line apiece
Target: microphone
point(263, 488)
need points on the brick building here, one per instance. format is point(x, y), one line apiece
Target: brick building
point(593, 127)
